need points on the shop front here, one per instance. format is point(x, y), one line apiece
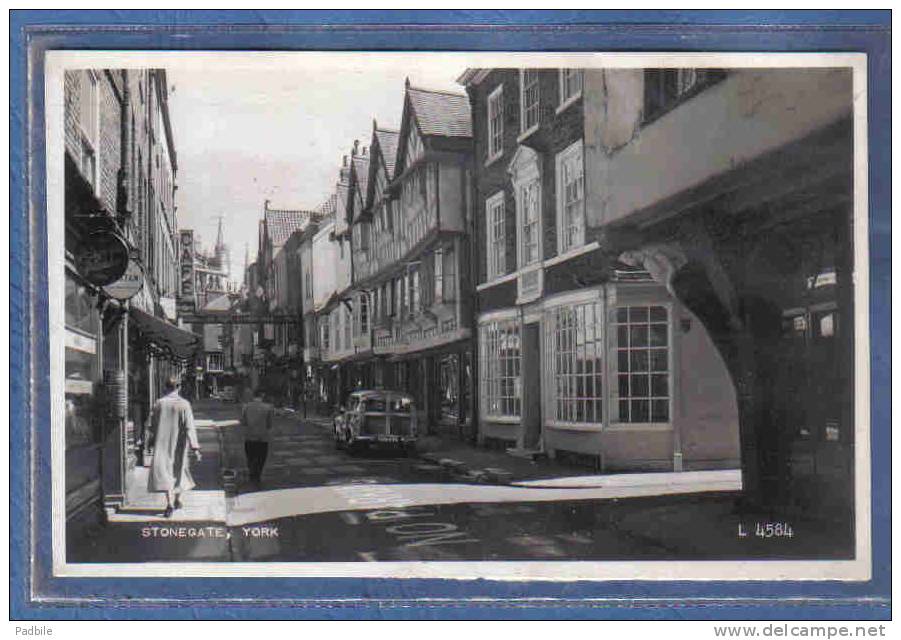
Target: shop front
point(617, 376)
point(85, 425)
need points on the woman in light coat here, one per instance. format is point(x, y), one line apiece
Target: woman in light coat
point(174, 435)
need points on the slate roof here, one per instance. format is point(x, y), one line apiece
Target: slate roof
point(328, 207)
point(388, 140)
point(441, 113)
point(281, 223)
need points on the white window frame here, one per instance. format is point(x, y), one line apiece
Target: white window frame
point(589, 315)
point(90, 138)
point(572, 152)
point(495, 109)
point(500, 379)
point(496, 245)
point(531, 178)
point(524, 110)
point(615, 348)
point(566, 100)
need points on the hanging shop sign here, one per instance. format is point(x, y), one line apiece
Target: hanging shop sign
point(102, 258)
point(131, 282)
point(186, 292)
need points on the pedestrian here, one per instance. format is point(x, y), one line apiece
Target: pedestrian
point(256, 419)
point(174, 436)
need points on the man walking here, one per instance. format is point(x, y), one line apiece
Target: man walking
point(174, 435)
point(257, 421)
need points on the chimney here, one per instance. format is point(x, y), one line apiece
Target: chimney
point(356, 146)
point(344, 161)
point(364, 151)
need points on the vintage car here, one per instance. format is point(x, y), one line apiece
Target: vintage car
point(376, 418)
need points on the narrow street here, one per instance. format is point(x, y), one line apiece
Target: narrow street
point(317, 503)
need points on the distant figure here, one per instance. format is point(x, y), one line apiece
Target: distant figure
point(257, 420)
point(174, 434)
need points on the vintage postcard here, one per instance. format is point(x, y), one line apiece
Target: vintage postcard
point(519, 316)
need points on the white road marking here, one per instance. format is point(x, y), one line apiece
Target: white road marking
point(285, 503)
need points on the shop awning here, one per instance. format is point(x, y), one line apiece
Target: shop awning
point(164, 337)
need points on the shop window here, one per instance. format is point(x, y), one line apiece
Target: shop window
point(500, 352)
point(643, 371)
point(449, 388)
point(79, 305)
point(576, 352)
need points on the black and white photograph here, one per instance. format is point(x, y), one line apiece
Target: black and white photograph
point(459, 315)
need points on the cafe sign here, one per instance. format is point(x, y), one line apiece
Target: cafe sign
point(129, 284)
point(102, 258)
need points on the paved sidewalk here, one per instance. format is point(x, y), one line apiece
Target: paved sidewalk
point(452, 459)
point(205, 503)
point(137, 532)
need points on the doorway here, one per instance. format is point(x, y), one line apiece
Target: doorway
point(531, 386)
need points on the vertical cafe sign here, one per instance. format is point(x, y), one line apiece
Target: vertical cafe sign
point(186, 293)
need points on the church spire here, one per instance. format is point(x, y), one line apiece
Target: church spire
point(219, 241)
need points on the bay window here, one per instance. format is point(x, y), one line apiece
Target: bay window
point(643, 371)
point(500, 353)
point(575, 348)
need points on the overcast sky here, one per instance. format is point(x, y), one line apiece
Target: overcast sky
point(259, 129)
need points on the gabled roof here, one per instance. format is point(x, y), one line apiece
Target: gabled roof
point(387, 147)
point(441, 118)
point(281, 223)
point(361, 172)
point(382, 152)
point(359, 182)
point(441, 113)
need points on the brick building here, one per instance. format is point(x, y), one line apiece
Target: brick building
point(581, 355)
point(120, 174)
